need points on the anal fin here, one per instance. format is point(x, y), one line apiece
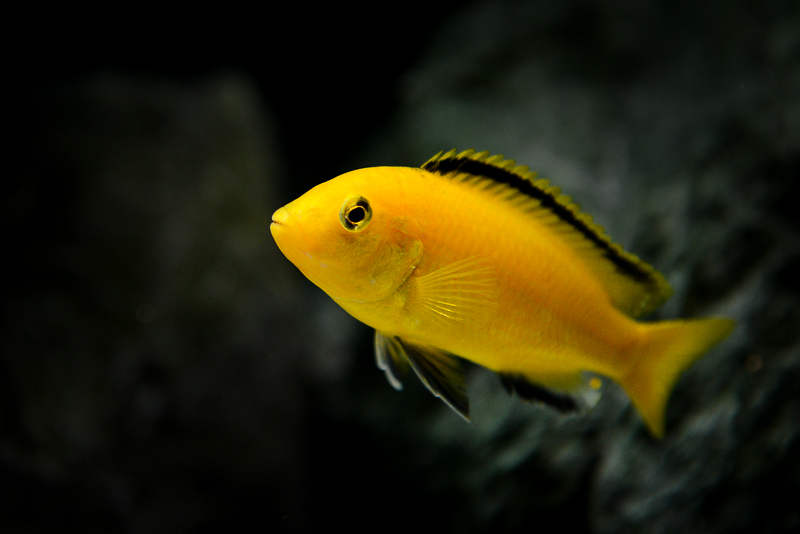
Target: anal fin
point(578, 399)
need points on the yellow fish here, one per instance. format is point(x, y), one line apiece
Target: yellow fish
point(473, 257)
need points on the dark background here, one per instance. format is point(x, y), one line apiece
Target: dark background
point(165, 369)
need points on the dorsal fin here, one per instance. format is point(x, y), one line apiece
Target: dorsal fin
point(634, 286)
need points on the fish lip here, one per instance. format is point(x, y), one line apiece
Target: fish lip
point(279, 217)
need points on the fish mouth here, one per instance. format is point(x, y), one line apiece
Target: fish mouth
point(288, 235)
point(279, 217)
point(279, 220)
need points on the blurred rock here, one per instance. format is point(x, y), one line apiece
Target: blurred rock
point(149, 342)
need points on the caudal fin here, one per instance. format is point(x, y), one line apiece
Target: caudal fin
point(669, 349)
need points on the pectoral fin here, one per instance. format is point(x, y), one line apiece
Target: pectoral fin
point(462, 292)
point(440, 371)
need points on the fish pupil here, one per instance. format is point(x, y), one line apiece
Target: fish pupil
point(357, 214)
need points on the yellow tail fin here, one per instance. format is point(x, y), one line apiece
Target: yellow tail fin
point(670, 347)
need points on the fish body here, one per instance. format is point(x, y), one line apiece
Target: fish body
point(473, 257)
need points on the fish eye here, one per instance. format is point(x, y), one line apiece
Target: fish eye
point(355, 214)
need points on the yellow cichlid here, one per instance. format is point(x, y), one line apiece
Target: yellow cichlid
point(473, 257)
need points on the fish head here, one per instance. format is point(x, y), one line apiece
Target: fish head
point(349, 236)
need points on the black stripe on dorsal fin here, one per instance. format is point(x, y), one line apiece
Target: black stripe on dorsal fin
point(635, 287)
